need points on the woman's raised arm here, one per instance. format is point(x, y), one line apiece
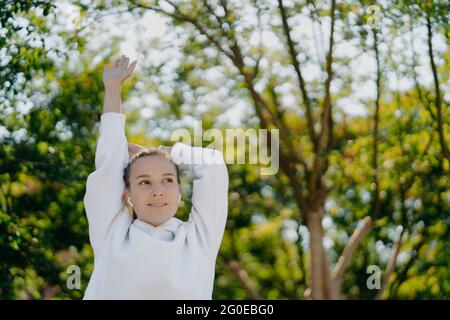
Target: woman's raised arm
point(104, 187)
point(210, 191)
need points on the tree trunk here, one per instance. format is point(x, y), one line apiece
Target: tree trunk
point(317, 254)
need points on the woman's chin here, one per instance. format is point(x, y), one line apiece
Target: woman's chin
point(157, 219)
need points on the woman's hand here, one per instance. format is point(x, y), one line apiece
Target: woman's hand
point(165, 148)
point(134, 149)
point(113, 77)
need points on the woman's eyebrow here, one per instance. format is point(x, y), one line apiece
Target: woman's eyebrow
point(147, 175)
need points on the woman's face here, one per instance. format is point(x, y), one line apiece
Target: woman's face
point(154, 190)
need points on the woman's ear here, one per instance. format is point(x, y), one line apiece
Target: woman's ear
point(125, 195)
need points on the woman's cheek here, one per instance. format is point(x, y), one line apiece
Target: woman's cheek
point(176, 192)
point(140, 193)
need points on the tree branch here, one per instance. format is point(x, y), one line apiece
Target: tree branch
point(375, 210)
point(320, 163)
point(437, 97)
point(391, 265)
point(356, 238)
point(181, 17)
point(293, 54)
point(239, 272)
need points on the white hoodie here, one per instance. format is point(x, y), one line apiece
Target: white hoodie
point(135, 260)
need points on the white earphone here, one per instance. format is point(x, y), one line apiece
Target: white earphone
point(179, 198)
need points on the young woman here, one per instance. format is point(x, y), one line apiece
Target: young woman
point(148, 253)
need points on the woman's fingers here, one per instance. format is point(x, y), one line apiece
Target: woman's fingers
point(121, 68)
point(119, 61)
point(131, 67)
point(125, 62)
point(134, 148)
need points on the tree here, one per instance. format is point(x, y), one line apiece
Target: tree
point(353, 190)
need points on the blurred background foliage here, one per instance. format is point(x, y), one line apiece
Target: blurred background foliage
point(51, 97)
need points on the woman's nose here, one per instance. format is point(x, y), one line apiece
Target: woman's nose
point(157, 191)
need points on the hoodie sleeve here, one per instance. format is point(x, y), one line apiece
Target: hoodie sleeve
point(210, 191)
point(104, 187)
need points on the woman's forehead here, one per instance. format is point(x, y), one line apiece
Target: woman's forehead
point(152, 166)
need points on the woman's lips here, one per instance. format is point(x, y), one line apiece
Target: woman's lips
point(160, 204)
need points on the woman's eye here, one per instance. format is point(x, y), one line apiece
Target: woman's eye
point(168, 180)
point(143, 182)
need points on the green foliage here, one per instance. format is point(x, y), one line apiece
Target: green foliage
point(49, 127)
